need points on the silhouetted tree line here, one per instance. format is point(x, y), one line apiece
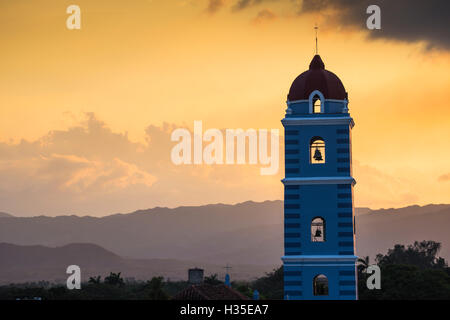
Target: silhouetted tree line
point(113, 287)
point(407, 272)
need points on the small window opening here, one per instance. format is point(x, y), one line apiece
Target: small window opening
point(317, 105)
point(320, 285)
point(317, 150)
point(318, 230)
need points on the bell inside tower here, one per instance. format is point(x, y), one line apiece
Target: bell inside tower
point(317, 150)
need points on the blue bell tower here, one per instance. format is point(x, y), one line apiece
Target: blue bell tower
point(319, 261)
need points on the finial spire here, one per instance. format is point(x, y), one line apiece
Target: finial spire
point(227, 276)
point(316, 28)
point(228, 268)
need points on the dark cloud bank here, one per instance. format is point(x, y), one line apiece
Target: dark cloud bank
point(403, 20)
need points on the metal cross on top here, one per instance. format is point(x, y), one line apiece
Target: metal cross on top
point(316, 28)
point(228, 268)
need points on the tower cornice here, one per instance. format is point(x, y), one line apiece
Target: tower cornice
point(305, 121)
point(319, 180)
point(320, 258)
point(307, 101)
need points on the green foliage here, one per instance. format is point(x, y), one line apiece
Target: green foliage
point(95, 280)
point(173, 287)
point(412, 272)
point(363, 263)
point(243, 287)
point(212, 279)
point(154, 289)
point(407, 282)
point(114, 279)
point(407, 272)
point(112, 289)
point(420, 254)
point(271, 285)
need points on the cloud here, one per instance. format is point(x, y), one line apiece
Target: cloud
point(402, 20)
point(444, 177)
point(244, 4)
point(215, 5)
point(90, 169)
point(264, 16)
point(376, 187)
point(73, 173)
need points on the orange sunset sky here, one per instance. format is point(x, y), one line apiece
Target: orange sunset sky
point(86, 115)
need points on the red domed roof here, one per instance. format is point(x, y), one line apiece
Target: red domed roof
point(317, 78)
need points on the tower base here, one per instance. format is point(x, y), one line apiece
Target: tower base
point(300, 274)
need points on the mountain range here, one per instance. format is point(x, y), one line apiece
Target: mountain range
point(249, 235)
point(5, 215)
point(20, 264)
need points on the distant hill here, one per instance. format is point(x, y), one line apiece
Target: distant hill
point(360, 211)
point(225, 233)
point(380, 230)
point(245, 233)
point(19, 264)
point(5, 215)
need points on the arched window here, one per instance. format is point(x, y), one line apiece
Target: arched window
point(317, 150)
point(320, 285)
point(317, 104)
point(318, 230)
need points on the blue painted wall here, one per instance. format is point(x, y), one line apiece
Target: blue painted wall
point(333, 202)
